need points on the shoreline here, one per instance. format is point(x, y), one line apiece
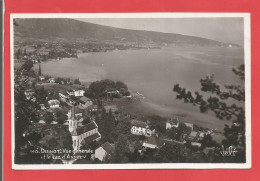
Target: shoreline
point(95, 72)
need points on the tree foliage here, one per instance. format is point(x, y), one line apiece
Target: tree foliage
point(27, 65)
point(48, 116)
point(218, 102)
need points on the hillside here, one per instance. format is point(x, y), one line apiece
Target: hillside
point(69, 29)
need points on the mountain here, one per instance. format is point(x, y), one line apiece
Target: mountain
point(70, 29)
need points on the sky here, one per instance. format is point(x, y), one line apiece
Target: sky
point(229, 30)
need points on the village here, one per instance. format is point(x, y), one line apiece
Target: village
point(40, 51)
point(75, 116)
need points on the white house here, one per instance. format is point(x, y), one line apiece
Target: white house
point(82, 134)
point(41, 122)
point(153, 142)
point(104, 151)
point(140, 128)
point(196, 144)
point(42, 106)
point(51, 80)
point(79, 93)
point(63, 96)
point(172, 123)
point(76, 93)
point(85, 102)
point(54, 103)
point(41, 78)
point(189, 125)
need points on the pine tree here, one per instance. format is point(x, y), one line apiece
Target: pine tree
point(218, 103)
point(40, 70)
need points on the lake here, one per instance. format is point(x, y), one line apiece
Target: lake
point(154, 72)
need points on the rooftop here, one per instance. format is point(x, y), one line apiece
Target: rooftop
point(91, 138)
point(139, 123)
point(108, 147)
point(154, 140)
point(53, 102)
point(86, 128)
point(112, 107)
point(84, 99)
point(193, 134)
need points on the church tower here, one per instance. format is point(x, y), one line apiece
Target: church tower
point(72, 121)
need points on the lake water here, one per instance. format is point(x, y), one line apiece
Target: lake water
point(154, 72)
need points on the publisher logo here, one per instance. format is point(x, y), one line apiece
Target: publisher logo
point(230, 151)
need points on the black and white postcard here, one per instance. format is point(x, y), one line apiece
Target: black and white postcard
point(131, 91)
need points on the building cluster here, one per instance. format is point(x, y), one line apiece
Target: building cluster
point(83, 133)
point(192, 135)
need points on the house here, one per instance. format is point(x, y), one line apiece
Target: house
point(82, 135)
point(29, 93)
point(64, 96)
point(104, 151)
point(54, 122)
point(35, 61)
point(41, 122)
point(42, 106)
point(41, 78)
point(172, 123)
point(193, 136)
point(94, 108)
point(79, 93)
point(113, 93)
point(70, 92)
point(189, 125)
point(76, 93)
point(201, 135)
point(85, 102)
point(51, 80)
point(54, 103)
point(196, 144)
point(136, 145)
point(140, 128)
point(153, 142)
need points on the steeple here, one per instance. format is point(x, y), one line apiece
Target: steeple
point(73, 112)
point(72, 121)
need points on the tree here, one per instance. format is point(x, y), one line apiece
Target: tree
point(86, 120)
point(68, 142)
point(40, 70)
point(25, 113)
point(24, 52)
point(76, 81)
point(18, 53)
point(41, 95)
point(27, 65)
point(106, 125)
point(121, 150)
point(61, 117)
point(48, 117)
point(218, 103)
point(158, 123)
point(207, 141)
point(171, 153)
point(121, 85)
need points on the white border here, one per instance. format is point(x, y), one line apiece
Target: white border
point(247, 58)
